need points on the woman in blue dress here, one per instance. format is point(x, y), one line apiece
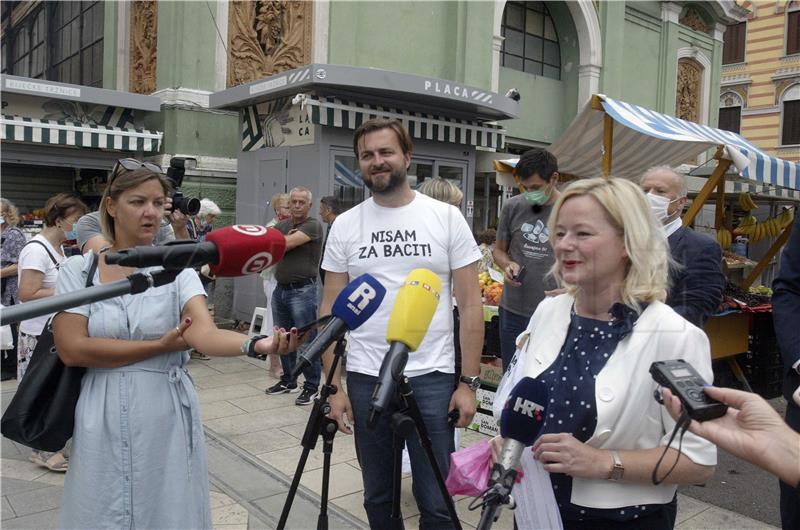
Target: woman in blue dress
point(604, 432)
point(138, 456)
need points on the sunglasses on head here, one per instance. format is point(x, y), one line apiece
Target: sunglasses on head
point(131, 164)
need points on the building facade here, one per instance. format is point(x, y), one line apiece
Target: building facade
point(480, 79)
point(760, 85)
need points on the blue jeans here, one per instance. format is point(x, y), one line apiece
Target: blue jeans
point(511, 325)
point(374, 448)
point(297, 307)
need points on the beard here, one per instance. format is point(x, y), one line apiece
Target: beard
point(396, 179)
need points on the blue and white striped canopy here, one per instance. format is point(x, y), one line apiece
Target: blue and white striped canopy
point(644, 138)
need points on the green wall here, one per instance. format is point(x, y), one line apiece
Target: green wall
point(196, 132)
point(110, 14)
point(547, 106)
point(448, 40)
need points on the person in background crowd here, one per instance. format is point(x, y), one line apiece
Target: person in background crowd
point(203, 222)
point(751, 430)
point(13, 239)
point(486, 239)
point(437, 238)
point(592, 347)
point(698, 282)
point(786, 317)
point(138, 455)
point(523, 241)
point(198, 227)
point(441, 190)
point(280, 206)
point(329, 208)
point(173, 226)
point(38, 266)
point(295, 299)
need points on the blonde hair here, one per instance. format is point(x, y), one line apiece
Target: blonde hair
point(9, 212)
point(122, 180)
point(277, 200)
point(627, 209)
point(441, 190)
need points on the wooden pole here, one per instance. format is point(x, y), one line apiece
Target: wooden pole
point(608, 142)
point(773, 250)
point(713, 181)
point(719, 213)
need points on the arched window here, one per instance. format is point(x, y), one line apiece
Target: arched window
point(790, 116)
point(531, 42)
point(730, 112)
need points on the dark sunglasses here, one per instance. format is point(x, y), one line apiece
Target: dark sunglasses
point(131, 164)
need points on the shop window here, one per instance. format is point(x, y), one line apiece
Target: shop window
point(58, 41)
point(733, 47)
point(790, 116)
point(531, 42)
point(793, 31)
point(348, 185)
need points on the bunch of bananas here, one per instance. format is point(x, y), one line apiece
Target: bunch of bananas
point(724, 238)
point(746, 202)
point(770, 228)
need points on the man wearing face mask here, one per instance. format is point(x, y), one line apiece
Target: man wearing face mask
point(696, 286)
point(523, 241)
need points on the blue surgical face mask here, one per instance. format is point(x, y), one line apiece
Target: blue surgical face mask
point(72, 234)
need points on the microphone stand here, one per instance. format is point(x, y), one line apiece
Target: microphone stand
point(403, 422)
point(498, 495)
point(318, 424)
point(134, 284)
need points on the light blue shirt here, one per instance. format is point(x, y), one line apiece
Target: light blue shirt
point(138, 456)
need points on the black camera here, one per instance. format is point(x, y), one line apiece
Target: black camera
point(177, 168)
point(685, 383)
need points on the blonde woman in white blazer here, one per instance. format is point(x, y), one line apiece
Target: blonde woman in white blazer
point(593, 346)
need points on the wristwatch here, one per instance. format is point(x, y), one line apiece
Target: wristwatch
point(473, 382)
point(618, 469)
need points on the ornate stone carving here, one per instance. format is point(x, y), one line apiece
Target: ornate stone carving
point(692, 19)
point(687, 97)
point(144, 35)
point(267, 37)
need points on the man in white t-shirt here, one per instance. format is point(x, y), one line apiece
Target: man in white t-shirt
point(389, 235)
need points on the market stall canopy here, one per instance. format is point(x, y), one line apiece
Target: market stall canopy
point(345, 96)
point(60, 114)
point(643, 138)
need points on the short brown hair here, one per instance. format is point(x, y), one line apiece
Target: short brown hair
point(61, 206)
point(123, 180)
point(377, 124)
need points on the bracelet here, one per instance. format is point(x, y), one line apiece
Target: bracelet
point(251, 344)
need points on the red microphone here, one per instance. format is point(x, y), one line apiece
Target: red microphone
point(245, 249)
point(235, 250)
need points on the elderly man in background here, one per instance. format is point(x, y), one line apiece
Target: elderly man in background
point(696, 285)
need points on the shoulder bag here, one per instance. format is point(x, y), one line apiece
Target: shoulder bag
point(42, 413)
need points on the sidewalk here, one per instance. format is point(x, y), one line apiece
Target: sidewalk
point(253, 445)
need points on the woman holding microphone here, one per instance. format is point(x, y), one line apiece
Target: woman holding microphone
point(138, 456)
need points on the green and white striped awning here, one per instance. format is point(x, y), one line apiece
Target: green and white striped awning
point(75, 134)
point(349, 115)
point(334, 112)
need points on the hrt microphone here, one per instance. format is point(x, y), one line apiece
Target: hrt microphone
point(354, 305)
point(521, 421)
point(411, 315)
point(231, 251)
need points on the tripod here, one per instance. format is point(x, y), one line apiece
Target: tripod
point(318, 424)
point(403, 422)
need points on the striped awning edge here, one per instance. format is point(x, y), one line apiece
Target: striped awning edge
point(334, 112)
point(75, 134)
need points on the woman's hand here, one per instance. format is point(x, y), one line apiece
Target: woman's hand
point(562, 453)
point(173, 339)
point(281, 342)
point(496, 444)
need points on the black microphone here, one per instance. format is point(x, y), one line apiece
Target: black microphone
point(520, 422)
point(354, 305)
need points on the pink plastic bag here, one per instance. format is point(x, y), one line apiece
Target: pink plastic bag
point(470, 469)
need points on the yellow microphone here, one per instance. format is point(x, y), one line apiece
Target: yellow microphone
point(411, 316)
